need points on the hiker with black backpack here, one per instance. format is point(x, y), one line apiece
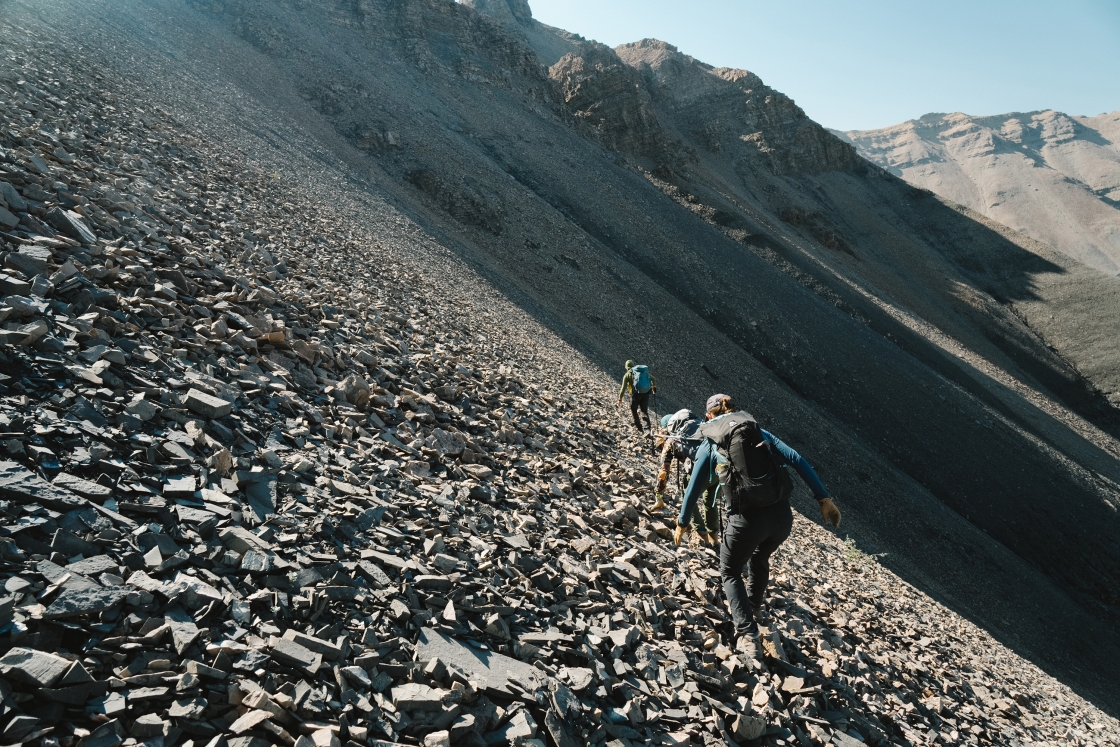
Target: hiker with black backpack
point(640, 384)
point(749, 464)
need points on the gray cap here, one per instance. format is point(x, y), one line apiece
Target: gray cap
point(715, 400)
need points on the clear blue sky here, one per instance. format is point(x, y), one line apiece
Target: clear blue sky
point(873, 63)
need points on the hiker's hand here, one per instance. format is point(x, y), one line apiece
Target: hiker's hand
point(678, 534)
point(830, 513)
point(619, 403)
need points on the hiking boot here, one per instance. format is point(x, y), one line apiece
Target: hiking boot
point(750, 646)
point(760, 615)
point(660, 504)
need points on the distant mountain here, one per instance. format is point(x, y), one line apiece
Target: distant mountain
point(1052, 176)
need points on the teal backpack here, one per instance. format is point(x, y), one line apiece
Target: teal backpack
point(640, 380)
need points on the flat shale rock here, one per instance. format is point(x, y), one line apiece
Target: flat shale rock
point(87, 488)
point(75, 602)
point(206, 405)
point(33, 667)
point(94, 566)
point(19, 484)
point(416, 697)
point(490, 670)
point(296, 656)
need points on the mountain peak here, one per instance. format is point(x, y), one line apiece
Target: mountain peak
point(507, 11)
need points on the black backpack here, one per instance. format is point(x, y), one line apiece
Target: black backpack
point(755, 475)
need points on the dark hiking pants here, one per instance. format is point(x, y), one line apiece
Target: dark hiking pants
point(751, 538)
point(640, 401)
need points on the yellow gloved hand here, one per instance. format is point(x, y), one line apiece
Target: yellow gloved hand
point(829, 512)
point(678, 534)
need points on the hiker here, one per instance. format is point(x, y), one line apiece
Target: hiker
point(749, 464)
point(640, 384)
point(681, 442)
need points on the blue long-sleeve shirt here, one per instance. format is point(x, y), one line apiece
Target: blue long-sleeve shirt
point(704, 473)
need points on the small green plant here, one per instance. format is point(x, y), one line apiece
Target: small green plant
point(854, 555)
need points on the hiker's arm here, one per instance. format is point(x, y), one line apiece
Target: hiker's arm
point(625, 383)
point(653, 383)
point(696, 483)
point(800, 464)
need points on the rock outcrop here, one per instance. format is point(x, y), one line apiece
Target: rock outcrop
point(610, 96)
point(730, 112)
point(510, 12)
point(643, 96)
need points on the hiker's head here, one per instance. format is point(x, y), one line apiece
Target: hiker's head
point(629, 365)
point(718, 404)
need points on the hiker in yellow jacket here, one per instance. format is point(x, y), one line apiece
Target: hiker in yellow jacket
point(640, 384)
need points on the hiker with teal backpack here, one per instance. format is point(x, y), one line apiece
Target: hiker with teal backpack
point(749, 465)
point(640, 384)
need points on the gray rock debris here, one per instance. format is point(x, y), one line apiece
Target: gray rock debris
point(253, 492)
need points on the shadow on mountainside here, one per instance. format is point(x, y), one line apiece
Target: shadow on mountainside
point(974, 297)
point(948, 474)
point(935, 550)
point(1054, 322)
point(1010, 274)
point(922, 444)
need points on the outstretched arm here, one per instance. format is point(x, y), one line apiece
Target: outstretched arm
point(829, 512)
point(701, 471)
point(799, 463)
point(625, 385)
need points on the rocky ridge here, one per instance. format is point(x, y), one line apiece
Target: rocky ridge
point(648, 100)
point(256, 495)
point(1049, 175)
